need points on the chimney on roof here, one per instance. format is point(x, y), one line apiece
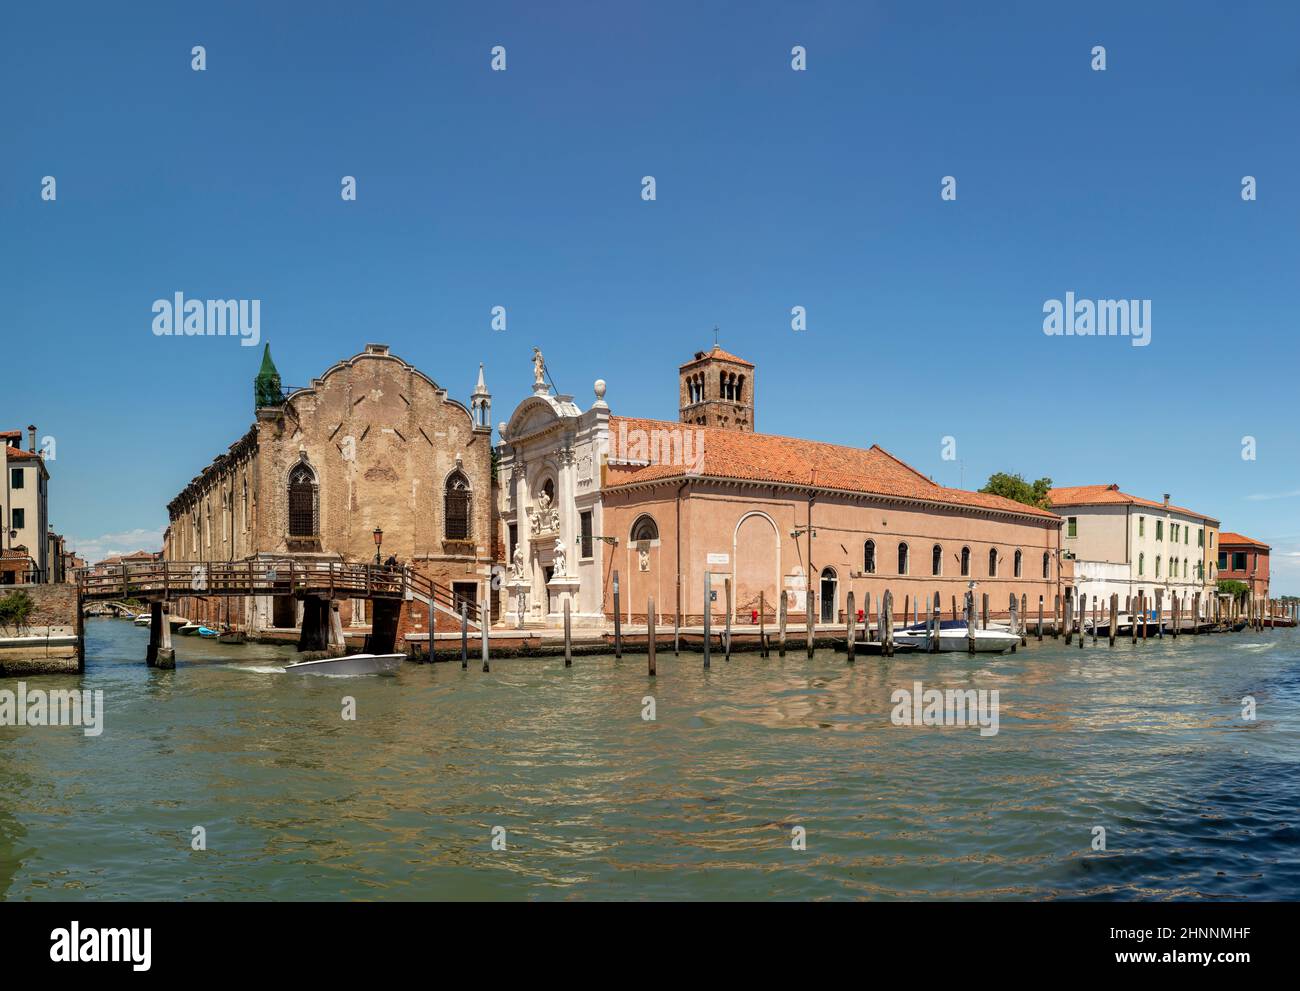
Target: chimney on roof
point(1166, 500)
point(31, 437)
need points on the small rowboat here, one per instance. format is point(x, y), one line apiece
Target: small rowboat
point(207, 633)
point(353, 664)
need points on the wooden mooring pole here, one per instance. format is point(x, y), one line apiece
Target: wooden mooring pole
point(618, 623)
point(650, 634)
point(851, 631)
point(762, 626)
point(568, 637)
point(464, 635)
point(708, 615)
point(970, 622)
point(727, 587)
point(781, 614)
point(887, 624)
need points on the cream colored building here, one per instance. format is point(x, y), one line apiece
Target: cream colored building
point(25, 509)
point(1126, 545)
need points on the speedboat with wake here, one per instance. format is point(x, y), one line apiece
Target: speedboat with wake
point(352, 664)
point(954, 637)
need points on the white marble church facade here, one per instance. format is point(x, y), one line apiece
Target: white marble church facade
point(550, 512)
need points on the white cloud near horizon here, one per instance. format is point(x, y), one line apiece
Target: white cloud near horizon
point(1265, 496)
point(97, 548)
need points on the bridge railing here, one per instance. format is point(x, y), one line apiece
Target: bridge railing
point(443, 596)
point(174, 579)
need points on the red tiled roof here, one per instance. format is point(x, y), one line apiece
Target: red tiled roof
point(734, 454)
point(1110, 495)
point(717, 352)
point(16, 454)
point(1228, 537)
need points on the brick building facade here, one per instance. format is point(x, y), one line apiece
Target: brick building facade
point(374, 444)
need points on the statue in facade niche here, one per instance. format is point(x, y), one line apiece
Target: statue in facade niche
point(543, 516)
point(517, 565)
point(558, 557)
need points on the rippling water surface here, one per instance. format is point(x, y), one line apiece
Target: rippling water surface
point(596, 802)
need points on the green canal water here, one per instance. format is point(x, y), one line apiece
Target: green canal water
point(596, 802)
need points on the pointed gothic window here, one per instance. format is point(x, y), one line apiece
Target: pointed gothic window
point(302, 501)
point(456, 502)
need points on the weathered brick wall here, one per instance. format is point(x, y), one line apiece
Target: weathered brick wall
point(56, 605)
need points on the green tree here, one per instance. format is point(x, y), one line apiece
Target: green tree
point(1015, 487)
point(1238, 590)
point(15, 610)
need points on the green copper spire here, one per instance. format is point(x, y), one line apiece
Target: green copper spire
point(266, 387)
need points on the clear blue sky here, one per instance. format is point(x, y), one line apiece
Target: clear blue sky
point(775, 189)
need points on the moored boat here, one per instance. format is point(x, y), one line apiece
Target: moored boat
point(189, 629)
point(208, 634)
point(954, 637)
point(232, 636)
point(352, 664)
point(142, 619)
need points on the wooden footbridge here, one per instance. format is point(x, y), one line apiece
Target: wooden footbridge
point(319, 585)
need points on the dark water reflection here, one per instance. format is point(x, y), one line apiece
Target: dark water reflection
point(597, 803)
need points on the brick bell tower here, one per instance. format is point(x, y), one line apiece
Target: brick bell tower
point(717, 390)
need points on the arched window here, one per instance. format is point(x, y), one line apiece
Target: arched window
point(965, 562)
point(456, 502)
point(869, 557)
point(1157, 565)
point(993, 562)
point(302, 501)
point(645, 528)
point(936, 560)
point(740, 388)
point(722, 385)
point(1047, 565)
point(1142, 564)
point(1186, 573)
point(902, 559)
point(1019, 557)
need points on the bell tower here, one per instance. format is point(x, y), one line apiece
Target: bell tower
point(717, 390)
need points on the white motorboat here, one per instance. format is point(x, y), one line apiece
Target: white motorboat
point(953, 637)
point(142, 619)
point(190, 628)
point(353, 664)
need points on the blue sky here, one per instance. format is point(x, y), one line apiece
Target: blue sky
point(775, 189)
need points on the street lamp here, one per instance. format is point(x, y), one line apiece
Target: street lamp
point(379, 540)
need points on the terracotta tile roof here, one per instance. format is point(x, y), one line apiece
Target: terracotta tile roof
point(17, 454)
point(734, 454)
point(716, 352)
point(1228, 537)
point(1104, 495)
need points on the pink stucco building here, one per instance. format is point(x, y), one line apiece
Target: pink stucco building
point(663, 503)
